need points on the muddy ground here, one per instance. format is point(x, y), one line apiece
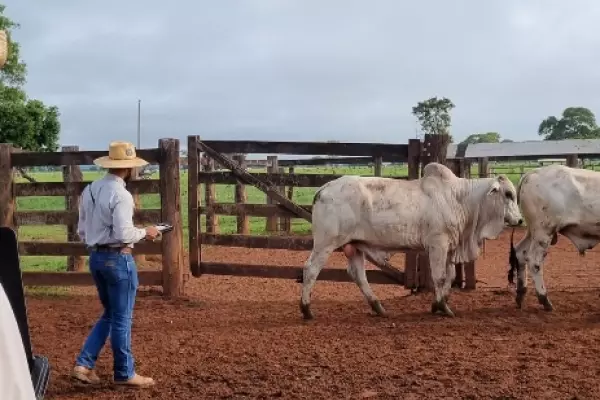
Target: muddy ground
point(244, 337)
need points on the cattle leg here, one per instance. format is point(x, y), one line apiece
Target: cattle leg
point(535, 259)
point(438, 254)
point(521, 257)
point(448, 282)
point(356, 269)
point(313, 266)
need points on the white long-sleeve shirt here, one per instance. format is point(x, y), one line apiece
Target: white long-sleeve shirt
point(110, 219)
point(15, 378)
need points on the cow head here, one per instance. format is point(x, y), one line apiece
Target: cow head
point(499, 207)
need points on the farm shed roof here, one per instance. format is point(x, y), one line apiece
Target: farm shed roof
point(532, 149)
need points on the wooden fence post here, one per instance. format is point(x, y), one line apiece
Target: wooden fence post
point(484, 167)
point(172, 242)
point(378, 167)
point(210, 197)
point(272, 168)
point(435, 148)
point(572, 161)
point(139, 258)
point(194, 249)
point(241, 197)
point(411, 257)
point(458, 167)
point(72, 173)
point(286, 222)
point(7, 200)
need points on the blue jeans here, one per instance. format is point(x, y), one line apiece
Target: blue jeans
point(116, 278)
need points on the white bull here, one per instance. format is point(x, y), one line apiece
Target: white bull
point(446, 216)
point(554, 199)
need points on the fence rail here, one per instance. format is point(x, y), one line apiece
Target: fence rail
point(172, 276)
point(279, 180)
point(201, 171)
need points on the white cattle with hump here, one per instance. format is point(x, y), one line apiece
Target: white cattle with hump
point(446, 216)
point(554, 199)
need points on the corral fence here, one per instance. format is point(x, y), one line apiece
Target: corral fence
point(166, 155)
point(204, 155)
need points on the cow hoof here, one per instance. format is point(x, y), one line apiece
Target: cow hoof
point(442, 307)
point(434, 307)
point(447, 311)
point(306, 313)
point(520, 297)
point(519, 302)
point(378, 308)
point(544, 301)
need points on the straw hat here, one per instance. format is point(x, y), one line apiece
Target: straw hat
point(120, 155)
point(3, 48)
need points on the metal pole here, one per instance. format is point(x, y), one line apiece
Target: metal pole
point(139, 138)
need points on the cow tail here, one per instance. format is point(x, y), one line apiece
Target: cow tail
point(512, 259)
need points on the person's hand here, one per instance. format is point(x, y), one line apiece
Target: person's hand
point(152, 233)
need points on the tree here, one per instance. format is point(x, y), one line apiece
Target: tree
point(575, 123)
point(488, 137)
point(434, 115)
point(25, 123)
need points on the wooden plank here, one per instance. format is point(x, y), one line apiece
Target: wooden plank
point(255, 210)
point(411, 260)
point(63, 217)
point(299, 243)
point(484, 167)
point(27, 248)
point(277, 179)
point(72, 173)
point(62, 188)
point(332, 161)
point(271, 224)
point(241, 197)
point(170, 200)
point(286, 222)
point(264, 186)
point(534, 157)
point(139, 259)
point(258, 241)
point(194, 246)
point(146, 278)
point(435, 149)
point(281, 272)
point(572, 161)
point(397, 151)
point(7, 199)
point(378, 167)
point(210, 197)
point(32, 159)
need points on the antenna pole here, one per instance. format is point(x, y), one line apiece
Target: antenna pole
point(139, 137)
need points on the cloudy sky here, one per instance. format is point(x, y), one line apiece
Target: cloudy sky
point(305, 69)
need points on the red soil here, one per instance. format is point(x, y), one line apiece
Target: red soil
point(244, 337)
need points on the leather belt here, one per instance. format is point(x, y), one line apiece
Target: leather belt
point(104, 248)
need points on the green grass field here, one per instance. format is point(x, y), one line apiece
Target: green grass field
point(225, 194)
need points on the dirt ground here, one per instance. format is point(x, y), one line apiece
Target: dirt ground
point(240, 338)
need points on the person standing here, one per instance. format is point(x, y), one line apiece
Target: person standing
point(106, 227)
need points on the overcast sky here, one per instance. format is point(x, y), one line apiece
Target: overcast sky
point(305, 69)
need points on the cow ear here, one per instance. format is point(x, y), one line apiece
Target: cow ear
point(495, 188)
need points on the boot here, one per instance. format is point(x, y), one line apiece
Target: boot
point(85, 375)
point(137, 381)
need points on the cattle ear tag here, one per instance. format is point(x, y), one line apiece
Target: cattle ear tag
point(495, 188)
